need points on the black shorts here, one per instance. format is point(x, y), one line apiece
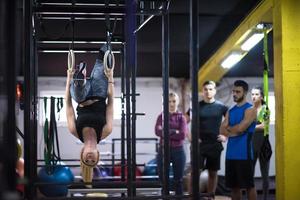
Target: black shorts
point(210, 155)
point(239, 174)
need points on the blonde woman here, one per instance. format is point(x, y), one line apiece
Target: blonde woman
point(177, 134)
point(94, 115)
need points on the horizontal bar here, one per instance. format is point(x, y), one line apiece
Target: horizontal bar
point(108, 184)
point(80, 2)
point(115, 39)
point(73, 160)
point(148, 197)
point(86, 14)
point(118, 198)
point(75, 51)
point(76, 18)
point(101, 165)
point(82, 17)
point(49, 97)
point(76, 160)
point(137, 94)
point(79, 10)
point(139, 114)
point(156, 1)
point(111, 190)
point(75, 42)
point(90, 10)
point(83, 4)
point(142, 139)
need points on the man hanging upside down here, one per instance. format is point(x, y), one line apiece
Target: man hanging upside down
point(94, 116)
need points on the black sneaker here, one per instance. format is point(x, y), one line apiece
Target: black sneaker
point(79, 78)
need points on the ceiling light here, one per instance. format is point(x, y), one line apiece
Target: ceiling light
point(232, 59)
point(260, 26)
point(252, 41)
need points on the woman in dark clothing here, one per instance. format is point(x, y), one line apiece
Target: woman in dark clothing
point(94, 116)
point(258, 137)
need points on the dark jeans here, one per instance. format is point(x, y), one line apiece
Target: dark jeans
point(177, 158)
point(96, 86)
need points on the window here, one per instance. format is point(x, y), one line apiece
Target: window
point(118, 108)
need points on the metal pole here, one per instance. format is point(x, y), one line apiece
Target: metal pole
point(113, 156)
point(123, 60)
point(194, 63)
point(130, 25)
point(165, 66)
point(133, 104)
point(4, 33)
point(30, 83)
point(8, 86)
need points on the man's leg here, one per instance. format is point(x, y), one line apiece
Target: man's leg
point(212, 181)
point(213, 165)
point(251, 193)
point(236, 194)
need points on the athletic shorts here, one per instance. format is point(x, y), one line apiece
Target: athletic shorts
point(210, 155)
point(239, 174)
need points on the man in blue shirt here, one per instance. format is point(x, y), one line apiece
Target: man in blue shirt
point(239, 126)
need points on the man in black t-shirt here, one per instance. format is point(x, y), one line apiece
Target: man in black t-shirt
point(211, 113)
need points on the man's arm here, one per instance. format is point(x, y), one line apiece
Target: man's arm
point(69, 107)
point(107, 129)
point(249, 117)
point(224, 125)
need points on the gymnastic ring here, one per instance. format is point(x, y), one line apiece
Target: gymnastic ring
point(71, 59)
point(105, 60)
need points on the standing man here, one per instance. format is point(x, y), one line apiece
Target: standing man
point(211, 113)
point(239, 126)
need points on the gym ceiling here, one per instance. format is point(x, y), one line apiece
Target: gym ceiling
point(217, 20)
